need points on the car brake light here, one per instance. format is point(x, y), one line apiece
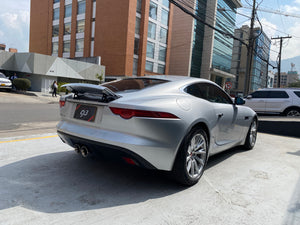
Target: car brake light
point(62, 103)
point(129, 113)
point(129, 161)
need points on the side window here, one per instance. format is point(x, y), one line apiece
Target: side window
point(278, 94)
point(297, 93)
point(208, 92)
point(260, 94)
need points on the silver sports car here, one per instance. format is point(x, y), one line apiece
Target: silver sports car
point(171, 123)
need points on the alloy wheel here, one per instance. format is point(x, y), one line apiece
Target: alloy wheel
point(293, 113)
point(196, 155)
point(253, 133)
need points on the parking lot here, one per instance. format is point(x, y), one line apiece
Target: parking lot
point(43, 181)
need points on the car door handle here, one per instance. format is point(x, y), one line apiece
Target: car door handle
point(220, 115)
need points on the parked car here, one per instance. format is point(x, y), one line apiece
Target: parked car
point(160, 122)
point(285, 101)
point(5, 83)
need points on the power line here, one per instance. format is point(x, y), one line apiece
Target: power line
point(274, 12)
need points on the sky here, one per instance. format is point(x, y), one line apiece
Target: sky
point(15, 19)
point(275, 25)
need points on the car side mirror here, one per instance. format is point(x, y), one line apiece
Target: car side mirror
point(239, 101)
point(249, 97)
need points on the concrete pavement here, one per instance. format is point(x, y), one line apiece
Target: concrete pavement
point(45, 182)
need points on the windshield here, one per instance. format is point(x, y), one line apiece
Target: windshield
point(2, 75)
point(132, 84)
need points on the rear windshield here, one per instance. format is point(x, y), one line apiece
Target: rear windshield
point(297, 93)
point(132, 84)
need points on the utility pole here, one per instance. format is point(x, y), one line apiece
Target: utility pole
point(250, 52)
point(279, 63)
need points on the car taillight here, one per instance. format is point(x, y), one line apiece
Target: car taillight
point(62, 103)
point(129, 113)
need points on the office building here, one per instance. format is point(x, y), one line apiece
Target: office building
point(130, 36)
point(259, 70)
point(286, 78)
point(198, 50)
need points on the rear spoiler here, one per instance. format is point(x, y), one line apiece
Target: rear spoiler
point(79, 88)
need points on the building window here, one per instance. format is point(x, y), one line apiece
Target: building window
point(56, 14)
point(79, 45)
point(66, 46)
point(80, 26)
point(139, 6)
point(137, 25)
point(136, 46)
point(153, 10)
point(149, 66)
point(135, 66)
point(68, 10)
point(55, 31)
point(55, 1)
point(151, 30)
point(161, 69)
point(67, 29)
point(165, 3)
point(81, 7)
point(150, 50)
point(163, 35)
point(162, 53)
point(164, 17)
point(54, 47)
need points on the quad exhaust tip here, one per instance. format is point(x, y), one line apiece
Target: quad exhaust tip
point(77, 148)
point(84, 151)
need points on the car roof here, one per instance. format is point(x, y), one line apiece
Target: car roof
point(279, 89)
point(173, 78)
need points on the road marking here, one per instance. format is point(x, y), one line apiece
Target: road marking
point(29, 139)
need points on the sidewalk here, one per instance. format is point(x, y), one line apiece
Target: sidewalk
point(27, 97)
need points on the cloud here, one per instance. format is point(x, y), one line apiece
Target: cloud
point(297, 2)
point(268, 27)
point(291, 46)
point(291, 9)
point(14, 20)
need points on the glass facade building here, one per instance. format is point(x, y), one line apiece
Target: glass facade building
point(198, 38)
point(225, 21)
point(260, 68)
point(222, 45)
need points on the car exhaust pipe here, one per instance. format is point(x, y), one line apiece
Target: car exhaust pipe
point(84, 151)
point(77, 148)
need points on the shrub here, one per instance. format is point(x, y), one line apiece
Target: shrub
point(22, 84)
point(61, 89)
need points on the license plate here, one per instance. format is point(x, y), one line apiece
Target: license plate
point(2, 84)
point(85, 112)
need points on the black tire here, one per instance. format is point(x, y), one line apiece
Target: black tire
point(190, 157)
point(292, 112)
point(251, 135)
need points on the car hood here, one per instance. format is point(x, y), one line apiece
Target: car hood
point(4, 79)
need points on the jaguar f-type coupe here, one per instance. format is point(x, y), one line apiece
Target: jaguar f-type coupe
point(171, 123)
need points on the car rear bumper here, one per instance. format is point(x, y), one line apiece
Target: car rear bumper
point(148, 152)
point(111, 151)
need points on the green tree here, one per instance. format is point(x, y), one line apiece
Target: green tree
point(295, 84)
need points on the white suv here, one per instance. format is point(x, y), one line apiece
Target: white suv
point(285, 101)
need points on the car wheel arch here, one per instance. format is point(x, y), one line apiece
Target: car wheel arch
point(291, 107)
point(200, 124)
